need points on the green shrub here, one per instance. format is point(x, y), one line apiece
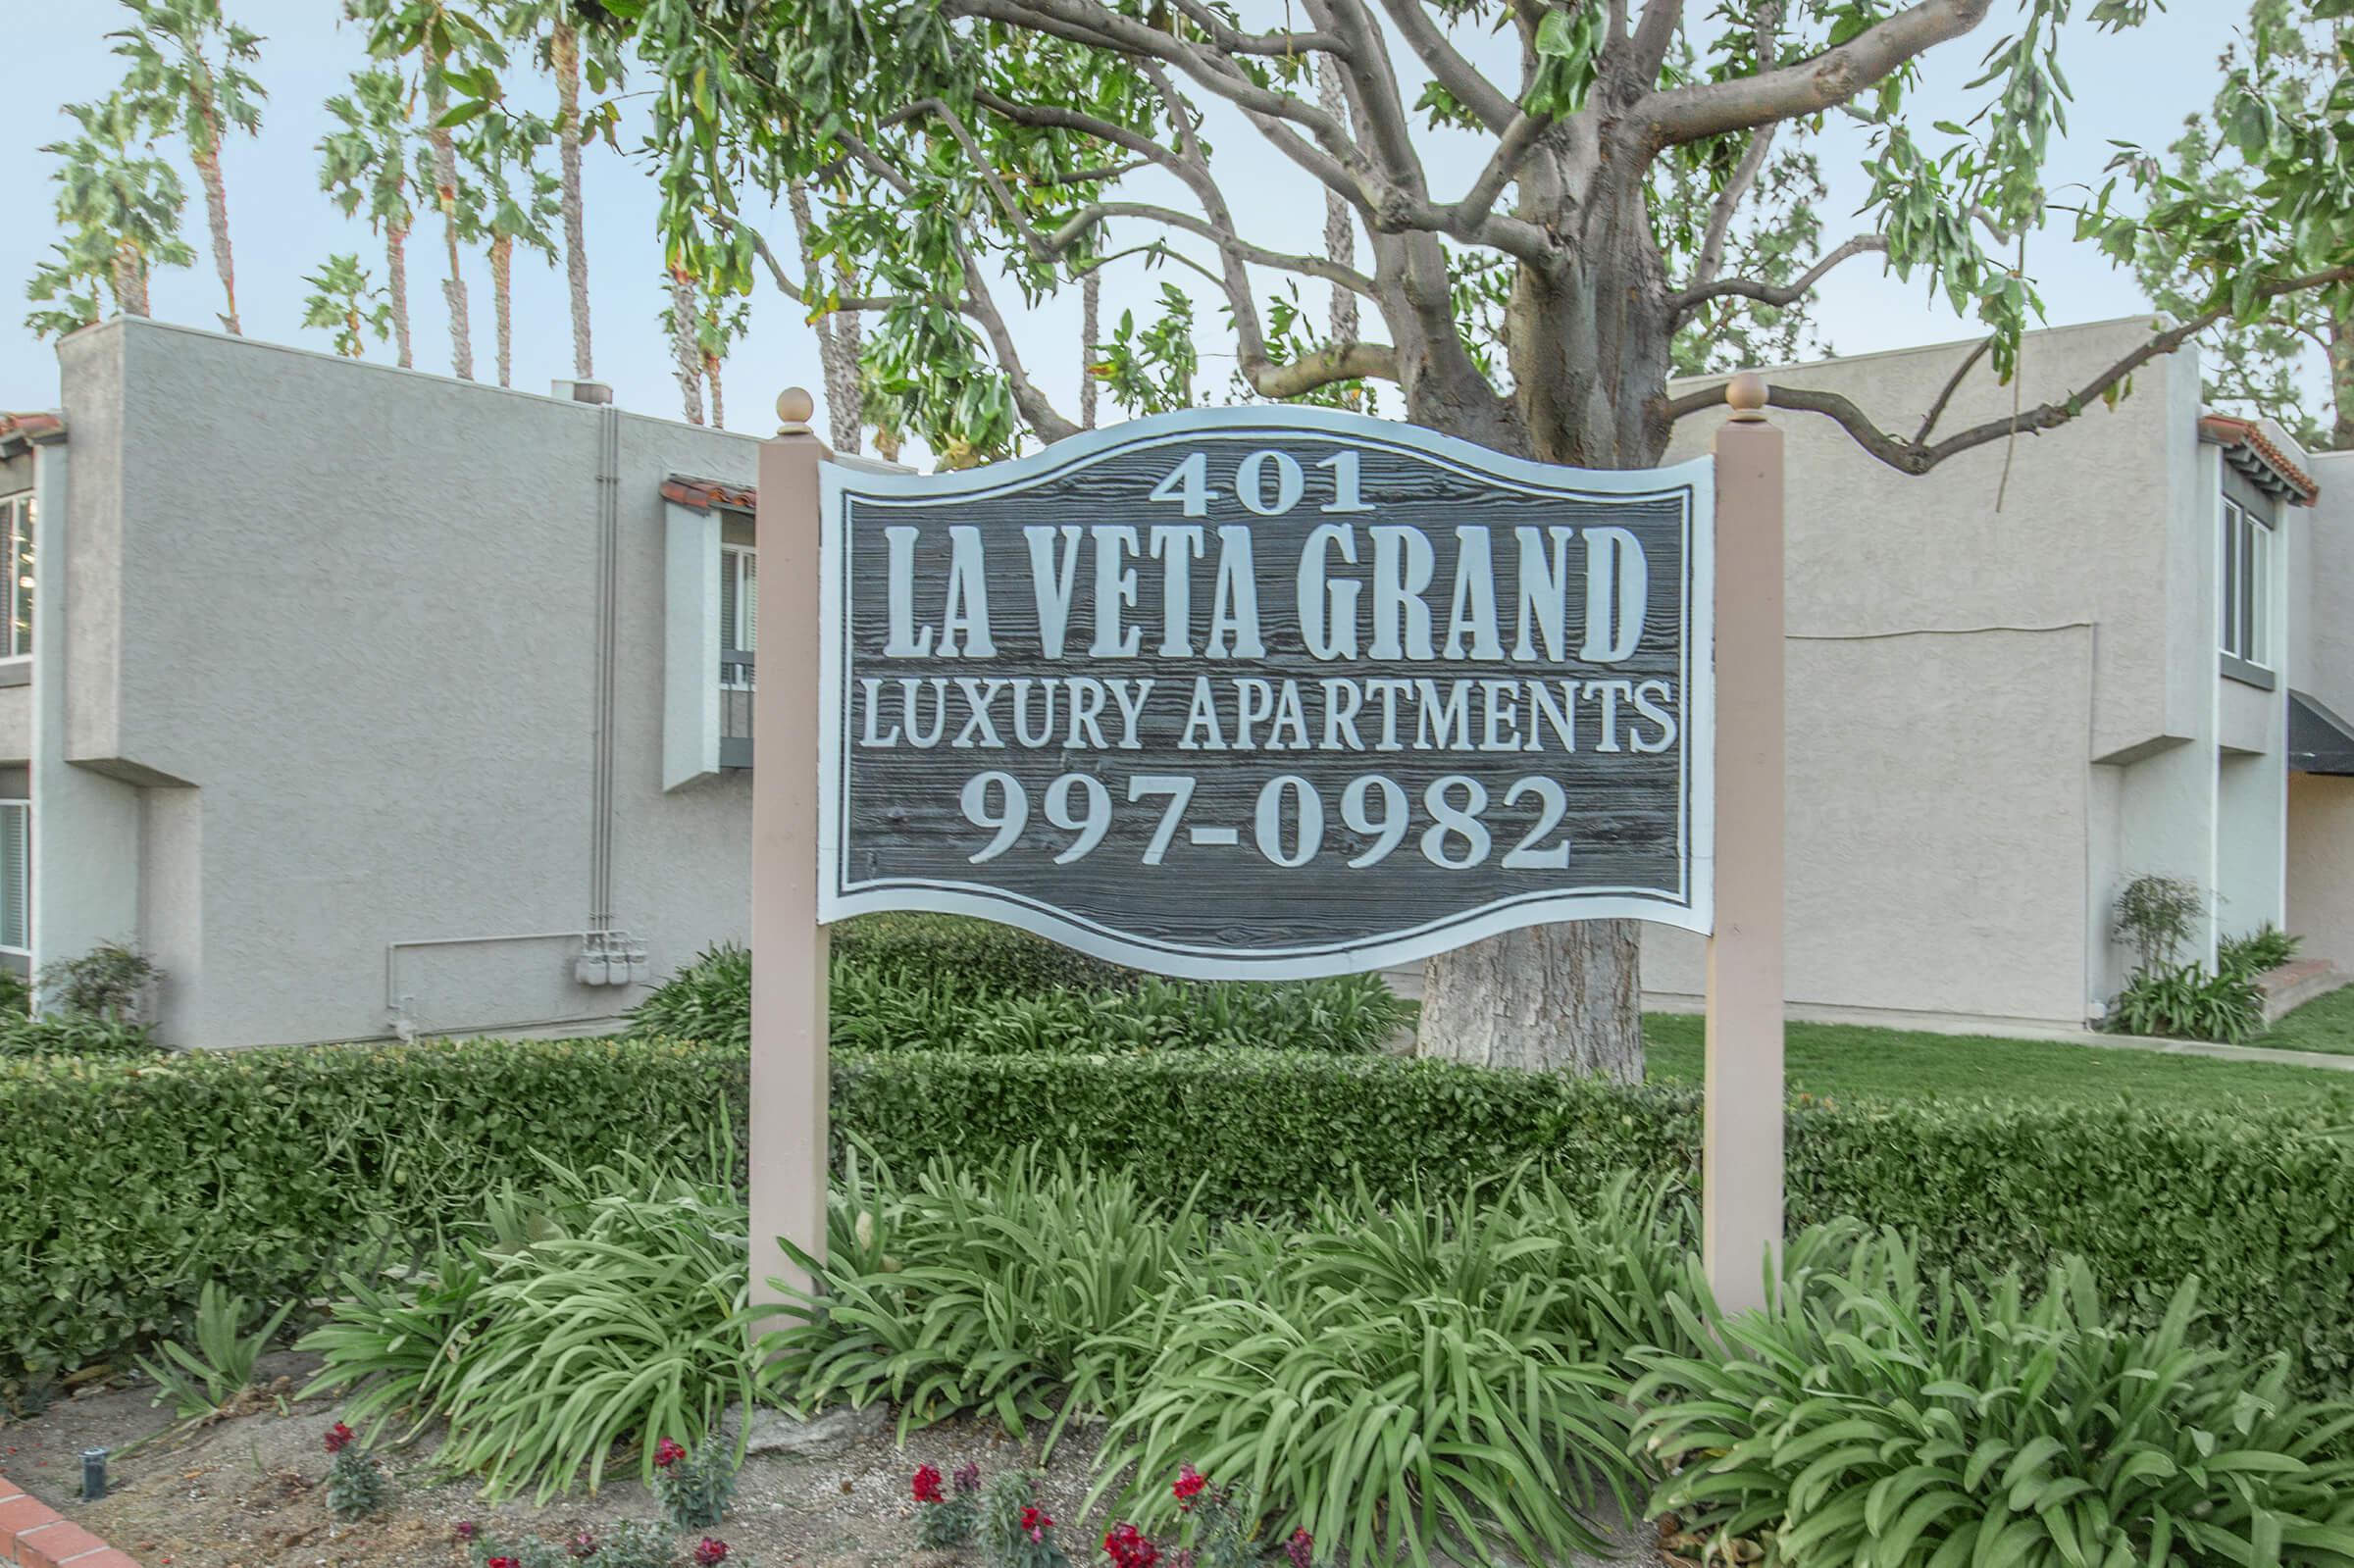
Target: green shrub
point(1874, 1420)
point(74, 1034)
point(270, 1171)
point(609, 1307)
point(109, 982)
point(968, 996)
point(993, 959)
point(2264, 948)
point(2184, 1001)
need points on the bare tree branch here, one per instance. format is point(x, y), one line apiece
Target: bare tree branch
point(1286, 45)
point(1918, 457)
point(1780, 294)
point(1653, 35)
point(1447, 66)
point(1728, 202)
point(1338, 362)
point(1945, 395)
point(1830, 78)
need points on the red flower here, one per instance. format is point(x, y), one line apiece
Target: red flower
point(1301, 1549)
point(709, 1553)
point(1035, 1523)
point(667, 1453)
point(339, 1438)
point(502, 1562)
point(1129, 1548)
point(927, 1485)
point(467, 1529)
point(1190, 1483)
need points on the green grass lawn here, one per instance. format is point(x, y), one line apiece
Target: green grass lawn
point(1844, 1061)
point(2325, 1023)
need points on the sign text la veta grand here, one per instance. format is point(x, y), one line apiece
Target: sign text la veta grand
point(1267, 691)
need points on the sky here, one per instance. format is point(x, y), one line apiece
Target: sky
point(2132, 88)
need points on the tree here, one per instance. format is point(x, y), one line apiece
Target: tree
point(365, 166)
point(182, 90)
point(577, 45)
point(686, 352)
point(986, 151)
point(346, 302)
point(837, 330)
point(458, 58)
point(118, 206)
point(513, 199)
point(2292, 67)
point(716, 329)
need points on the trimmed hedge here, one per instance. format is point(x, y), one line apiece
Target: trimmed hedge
point(132, 1182)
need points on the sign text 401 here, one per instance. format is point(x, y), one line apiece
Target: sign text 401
point(1288, 821)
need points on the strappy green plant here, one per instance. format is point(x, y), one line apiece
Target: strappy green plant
point(1875, 1419)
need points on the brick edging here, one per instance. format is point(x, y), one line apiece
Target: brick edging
point(34, 1535)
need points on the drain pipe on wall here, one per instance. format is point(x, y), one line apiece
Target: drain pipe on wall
point(608, 955)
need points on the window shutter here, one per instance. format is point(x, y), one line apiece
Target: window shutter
point(750, 601)
point(16, 875)
point(727, 601)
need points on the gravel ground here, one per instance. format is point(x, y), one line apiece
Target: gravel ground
point(245, 1493)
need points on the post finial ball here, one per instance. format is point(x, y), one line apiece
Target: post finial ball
point(1746, 392)
point(795, 405)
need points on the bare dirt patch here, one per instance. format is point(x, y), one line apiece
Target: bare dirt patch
point(246, 1493)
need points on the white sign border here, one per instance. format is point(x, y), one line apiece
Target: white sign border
point(1696, 913)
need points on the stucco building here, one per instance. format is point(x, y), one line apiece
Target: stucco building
point(371, 703)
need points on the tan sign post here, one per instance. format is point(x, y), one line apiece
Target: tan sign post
point(1450, 692)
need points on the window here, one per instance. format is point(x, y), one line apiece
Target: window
point(16, 554)
point(16, 878)
point(2246, 631)
point(738, 614)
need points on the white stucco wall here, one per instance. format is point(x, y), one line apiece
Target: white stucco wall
point(354, 628)
point(1965, 653)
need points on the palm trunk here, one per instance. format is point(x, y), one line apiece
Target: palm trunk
point(396, 268)
point(836, 334)
point(446, 181)
point(1090, 292)
point(131, 279)
point(719, 407)
point(685, 354)
point(215, 209)
point(564, 53)
point(502, 266)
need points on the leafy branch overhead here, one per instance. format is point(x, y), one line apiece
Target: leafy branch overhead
point(974, 154)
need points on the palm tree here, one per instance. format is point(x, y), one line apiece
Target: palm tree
point(455, 52)
point(346, 302)
point(837, 330)
point(182, 90)
point(579, 42)
point(686, 352)
point(69, 283)
point(365, 166)
point(715, 330)
point(120, 207)
point(517, 201)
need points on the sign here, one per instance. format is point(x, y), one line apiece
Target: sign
point(1267, 692)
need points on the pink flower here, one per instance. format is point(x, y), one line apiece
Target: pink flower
point(581, 1546)
point(1190, 1483)
point(709, 1553)
point(1301, 1549)
point(1035, 1524)
point(467, 1529)
point(667, 1453)
point(967, 1478)
point(339, 1438)
point(927, 1485)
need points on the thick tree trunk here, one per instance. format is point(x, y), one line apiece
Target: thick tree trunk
point(396, 268)
point(837, 332)
point(687, 358)
point(1340, 225)
point(1091, 299)
point(446, 181)
point(502, 272)
point(131, 279)
point(215, 209)
point(719, 405)
point(1589, 356)
point(564, 54)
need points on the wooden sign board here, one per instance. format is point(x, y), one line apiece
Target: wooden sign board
point(1267, 692)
